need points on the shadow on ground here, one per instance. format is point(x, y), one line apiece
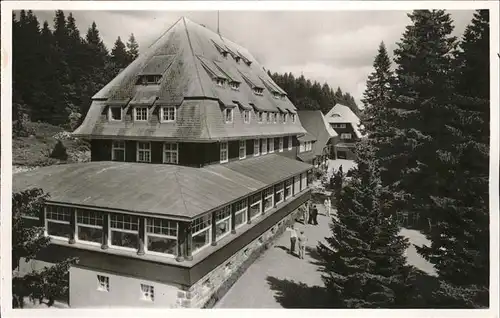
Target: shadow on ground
point(292, 294)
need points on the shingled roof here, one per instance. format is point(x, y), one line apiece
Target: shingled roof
point(168, 190)
point(341, 114)
point(189, 56)
point(315, 124)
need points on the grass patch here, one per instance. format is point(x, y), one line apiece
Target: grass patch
point(35, 150)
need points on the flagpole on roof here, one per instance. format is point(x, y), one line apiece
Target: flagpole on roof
point(218, 31)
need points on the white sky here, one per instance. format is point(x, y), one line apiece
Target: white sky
point(337, 47)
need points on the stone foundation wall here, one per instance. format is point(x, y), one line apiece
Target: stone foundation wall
point(208, 290)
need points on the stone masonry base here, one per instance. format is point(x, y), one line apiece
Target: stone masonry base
point(207, 291)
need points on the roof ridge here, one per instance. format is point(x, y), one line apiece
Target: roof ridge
point(180, 189)
point(204, 117)
point(194, 55)
point(168, 29)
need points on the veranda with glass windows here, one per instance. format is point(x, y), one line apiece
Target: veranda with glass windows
point(179, 239)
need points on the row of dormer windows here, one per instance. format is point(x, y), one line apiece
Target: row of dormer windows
point(261, 116)
point(141, 113)
point(168, 114)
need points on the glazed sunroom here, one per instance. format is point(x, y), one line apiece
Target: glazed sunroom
point(167, 232)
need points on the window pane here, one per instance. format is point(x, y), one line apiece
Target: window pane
point(240, 218)
point(279, 196)
point(268, 203)
point(160, 226)
point(124, 239)
point(89, 217)
point(90, 234)
point(58, 229)
point(162, 245)
point(116, 113)
point(58, 213)
point(118, 155)
point(201, 239)
point(223, 227)
point(254, 210)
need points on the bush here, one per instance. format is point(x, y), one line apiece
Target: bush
point(59, 151)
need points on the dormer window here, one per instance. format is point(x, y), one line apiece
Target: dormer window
point(220, 81)
point(140, 113)
point(234, 86)
point(168, 114)
point(115, 113)
point(258, 91)
point(149, 80)
point(228, 115)
point(237, 59)
point(282, 96)
point(224, 54)
point(272, 119)
point(285, 116)
point(294, 118)
point(268, 119)
point(276, 95)
point(261, 117)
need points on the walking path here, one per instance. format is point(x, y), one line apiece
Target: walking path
point(281, 280)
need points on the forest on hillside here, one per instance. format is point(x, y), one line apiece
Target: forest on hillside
point(57, 69)
point(308, 95)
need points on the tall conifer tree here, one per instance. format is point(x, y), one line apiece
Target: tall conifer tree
point(119, 55)
point(132, 48)
point(364, 264)
point(459, 246)
point(429, 151)
point(376, 99)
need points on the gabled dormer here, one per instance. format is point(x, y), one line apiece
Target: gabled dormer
point(245, 59)
point(233, 79)
point(234, 55)
point(221, 48)
point(275, 90)
point(219, 77)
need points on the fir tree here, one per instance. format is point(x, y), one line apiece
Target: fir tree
point(376, 99)
point(60, 31)
point(474, 58)
point(132, 48)
point(59, 151)
point(119, 54)
point(99, 69)
point(430, 154)
point(364, 264)
point(27, 241)
point(461, 238)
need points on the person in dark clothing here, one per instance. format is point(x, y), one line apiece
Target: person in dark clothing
point(311, 218)
point(315, 215)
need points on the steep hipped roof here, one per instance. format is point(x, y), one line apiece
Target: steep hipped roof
point(188, 57)
point(341, 114)
point(167, 190)
point(315, 124)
